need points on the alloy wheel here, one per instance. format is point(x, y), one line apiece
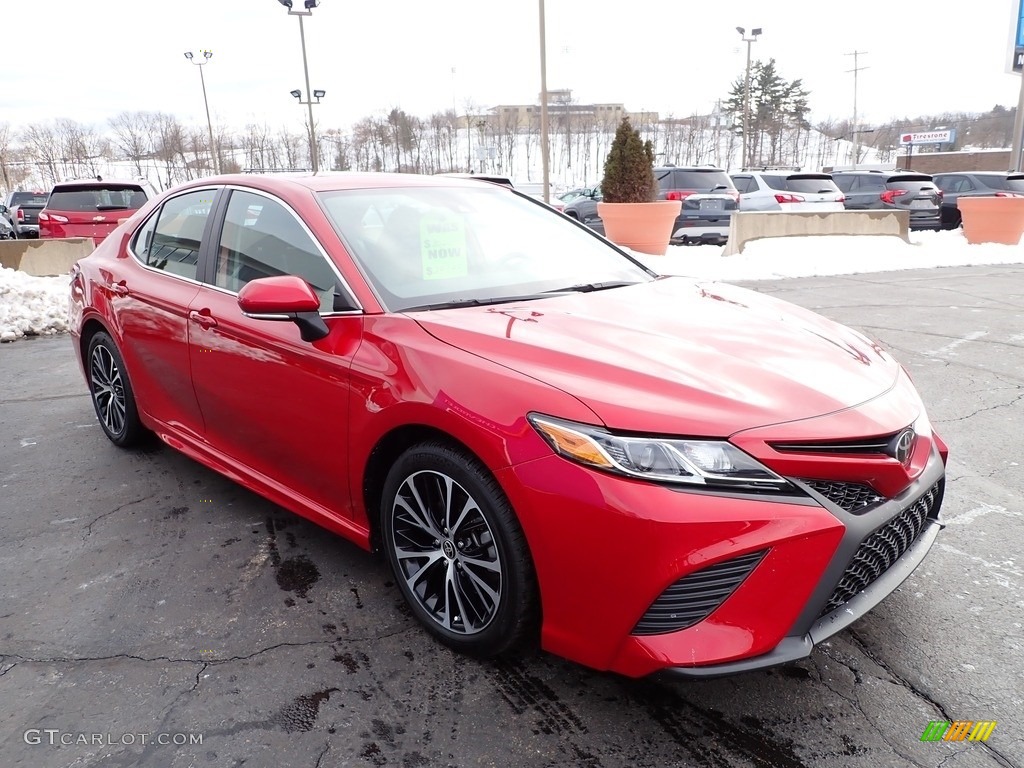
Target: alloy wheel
point(446, 552)
point(107, 389)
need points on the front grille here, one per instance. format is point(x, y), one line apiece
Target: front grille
point(853, 497)
point(862, 445)
point(879, 551)
point(692, 598)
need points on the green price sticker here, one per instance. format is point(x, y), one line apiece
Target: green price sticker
point(443, 246)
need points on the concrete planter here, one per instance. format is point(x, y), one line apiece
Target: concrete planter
point(992, 219)
point(644, 227)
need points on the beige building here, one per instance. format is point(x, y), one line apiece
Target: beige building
point(562, 111)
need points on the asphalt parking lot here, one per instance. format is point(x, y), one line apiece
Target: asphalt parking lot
point(146, 599)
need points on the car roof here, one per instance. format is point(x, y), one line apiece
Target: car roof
point(101, 182)
point(493, 178)
point(331, 181)
point(687, 168)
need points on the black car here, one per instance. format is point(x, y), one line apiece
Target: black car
point(974, 184)
point(708, 197)
point(892, 190)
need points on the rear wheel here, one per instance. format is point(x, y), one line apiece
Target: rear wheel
point(457, 551)
point(112, 394)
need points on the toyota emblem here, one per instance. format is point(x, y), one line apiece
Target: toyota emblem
point(903, 445)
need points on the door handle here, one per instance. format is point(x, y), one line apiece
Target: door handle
point(119, 289)
point(203, 319)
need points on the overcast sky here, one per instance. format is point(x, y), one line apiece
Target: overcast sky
point(88, 60)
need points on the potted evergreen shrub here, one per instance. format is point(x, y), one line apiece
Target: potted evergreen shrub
point(631, 215)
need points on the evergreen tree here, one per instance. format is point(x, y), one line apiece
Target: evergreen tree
point(629, 168)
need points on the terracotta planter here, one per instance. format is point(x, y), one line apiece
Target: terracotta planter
point(992, 219)
point(644, 227)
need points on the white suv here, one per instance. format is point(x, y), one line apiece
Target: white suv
point(787, 190)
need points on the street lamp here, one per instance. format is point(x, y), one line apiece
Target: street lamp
point(746, 90)
point(545, 160)
point(207, 55)
point(308, 6)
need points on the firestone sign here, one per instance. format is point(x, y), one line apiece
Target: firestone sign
point(928, 137)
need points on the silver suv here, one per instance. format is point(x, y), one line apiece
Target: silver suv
point(787, 190)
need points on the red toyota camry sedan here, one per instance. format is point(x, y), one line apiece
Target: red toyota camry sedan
point(549, 442)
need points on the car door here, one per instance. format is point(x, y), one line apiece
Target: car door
point(271, 402)
point(150, 306)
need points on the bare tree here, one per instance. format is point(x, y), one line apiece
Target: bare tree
point(131, 136)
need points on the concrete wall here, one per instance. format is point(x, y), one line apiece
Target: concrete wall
point(753, 225)
point(44, 257)
point(942, 162)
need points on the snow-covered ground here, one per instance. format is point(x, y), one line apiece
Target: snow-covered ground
point(32, 305)
point(39, 305)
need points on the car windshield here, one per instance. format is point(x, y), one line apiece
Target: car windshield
point(93, 197)
point(808, 183)
point(432, 246)
point(28, 199)
point(697, 179)
point(1008, 183)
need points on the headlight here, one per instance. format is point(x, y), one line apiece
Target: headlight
point(694, 462)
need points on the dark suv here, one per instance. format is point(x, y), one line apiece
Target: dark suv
point(974, 184)
point(708, 197)
point(888, 190)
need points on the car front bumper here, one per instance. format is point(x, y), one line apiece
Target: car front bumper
point(607, 550)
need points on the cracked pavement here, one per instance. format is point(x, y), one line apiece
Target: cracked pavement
point(141, 594)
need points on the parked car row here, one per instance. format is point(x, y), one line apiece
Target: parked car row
point(974, 184)
point(710, 196)
point(88, 208)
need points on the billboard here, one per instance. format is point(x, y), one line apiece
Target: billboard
point(930, 137)
point(1016, 47)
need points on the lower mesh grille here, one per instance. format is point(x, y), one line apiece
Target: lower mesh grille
point(883, 548)
point(853, 497)
point(696, 595)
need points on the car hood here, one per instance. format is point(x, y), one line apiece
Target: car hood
point(676, 357)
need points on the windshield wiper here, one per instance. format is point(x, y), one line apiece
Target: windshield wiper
point(588, 287)
point(454, 303)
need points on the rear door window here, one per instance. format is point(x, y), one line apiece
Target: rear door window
point(170, 240)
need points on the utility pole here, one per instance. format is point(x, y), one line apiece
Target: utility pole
point(856, 128)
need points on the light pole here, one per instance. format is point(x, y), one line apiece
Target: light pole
point(746, 89)
point(545, 160)
point(207, 55)
point(308, 6)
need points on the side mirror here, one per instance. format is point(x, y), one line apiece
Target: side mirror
point(284, 298)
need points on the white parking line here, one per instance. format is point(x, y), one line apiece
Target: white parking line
point(972, 336)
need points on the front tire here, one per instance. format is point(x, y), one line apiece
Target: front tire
point(458, 553)
point(112, 394)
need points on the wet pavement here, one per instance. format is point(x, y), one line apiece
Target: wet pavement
point(153, 613)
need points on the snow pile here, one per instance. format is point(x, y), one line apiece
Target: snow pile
point(32, 305)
